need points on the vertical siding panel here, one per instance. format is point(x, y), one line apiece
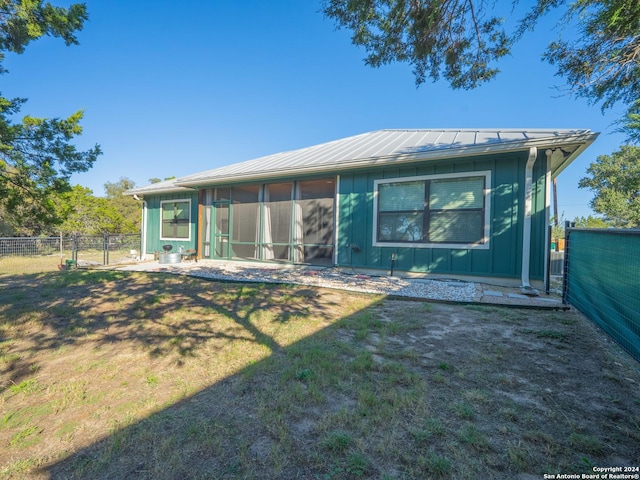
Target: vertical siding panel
point(506, 213)
point(344, 218)
point(371, 255)
point(461, 262)
point(358, 222)
point(539, 221)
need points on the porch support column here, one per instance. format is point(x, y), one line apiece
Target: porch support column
point(526, 227)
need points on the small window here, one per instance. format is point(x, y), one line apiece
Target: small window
point(448, 211)
point(176, 220)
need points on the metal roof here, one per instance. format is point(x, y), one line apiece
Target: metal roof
point(389, 147)
point(167, 186)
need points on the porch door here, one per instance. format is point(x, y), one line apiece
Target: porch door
point(220, 231)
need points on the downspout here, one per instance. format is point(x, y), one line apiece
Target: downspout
point(526, 227)
point(143, 253)
point(547, 216)
point(336, 222)
point(143, 230)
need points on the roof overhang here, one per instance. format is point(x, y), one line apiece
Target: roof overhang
point(385, 148)
point(572, 144)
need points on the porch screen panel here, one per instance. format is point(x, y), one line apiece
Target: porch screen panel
point(316, 208)
point(245, 221)
point(278, 215)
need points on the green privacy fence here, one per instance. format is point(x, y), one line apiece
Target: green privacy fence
point(602, 280)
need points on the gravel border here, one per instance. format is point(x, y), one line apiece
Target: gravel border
point(329, 277)
point(444, 290)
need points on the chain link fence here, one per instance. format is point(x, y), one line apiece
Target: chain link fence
point(20, 255)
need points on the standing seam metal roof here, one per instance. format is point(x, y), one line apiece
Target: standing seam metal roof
point(368, 148)
point(385, 147)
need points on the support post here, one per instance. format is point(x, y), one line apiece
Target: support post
point(565, 263)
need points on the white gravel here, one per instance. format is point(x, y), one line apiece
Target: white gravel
point(449, 290)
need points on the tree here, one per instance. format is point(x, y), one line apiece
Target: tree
point(590, 222)
point(85, 214)
point(615, 179)
point(461, 41)
point(127, 206)
point(37, 157)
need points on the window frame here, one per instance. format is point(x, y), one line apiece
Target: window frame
point(177, 200)
point(483, 244)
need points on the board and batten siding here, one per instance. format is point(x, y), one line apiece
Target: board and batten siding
point(501, 259)
point(154, 224)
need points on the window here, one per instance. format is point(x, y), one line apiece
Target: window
point(447, 211)
point(176, 219)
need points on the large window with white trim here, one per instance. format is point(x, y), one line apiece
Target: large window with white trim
point(450, 210)
point(176, 220)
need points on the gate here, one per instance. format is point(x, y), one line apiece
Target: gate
point(602, 280)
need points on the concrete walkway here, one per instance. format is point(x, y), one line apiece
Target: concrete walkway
point(433, 289)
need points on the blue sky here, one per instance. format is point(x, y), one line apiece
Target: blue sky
point(174, 88)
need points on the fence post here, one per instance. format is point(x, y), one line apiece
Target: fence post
point(565, 267)
point(547, 280)
point(105, 246)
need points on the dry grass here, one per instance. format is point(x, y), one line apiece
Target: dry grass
point(20, 265)
point(115, 375)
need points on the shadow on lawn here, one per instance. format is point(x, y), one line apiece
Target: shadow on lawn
point(107, 308)
point(248, 425)
point(399, 390)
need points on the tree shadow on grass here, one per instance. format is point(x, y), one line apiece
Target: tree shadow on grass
point(164, 315)
point(262, 422)
point(222, 430)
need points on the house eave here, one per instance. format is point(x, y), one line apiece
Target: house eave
point(580, 141)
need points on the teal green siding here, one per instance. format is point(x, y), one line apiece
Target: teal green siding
point(154, 242)
point(501, 259)
point(355, 219)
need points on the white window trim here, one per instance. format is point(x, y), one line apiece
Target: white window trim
point(483, 245)
point(176, 200)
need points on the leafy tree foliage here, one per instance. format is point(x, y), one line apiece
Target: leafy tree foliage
point(461, 41)
point(127, 206)
point(83, 213)
point(590, 222)
point(615, 179)
point(37, 156)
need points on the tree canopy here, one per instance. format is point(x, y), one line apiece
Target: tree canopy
point(590, 222)
point(83, 213)
point(462, 42)
point(615, 180)
point(125, 205)
point(37, 156)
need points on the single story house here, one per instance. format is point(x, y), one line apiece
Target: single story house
point(454, 203)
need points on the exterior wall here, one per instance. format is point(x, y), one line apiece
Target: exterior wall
point(501, 259)
point(355, 211)
point(153, 241)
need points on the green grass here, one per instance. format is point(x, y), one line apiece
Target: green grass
point(115, 375)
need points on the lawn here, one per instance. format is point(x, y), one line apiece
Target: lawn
point(151, 376)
